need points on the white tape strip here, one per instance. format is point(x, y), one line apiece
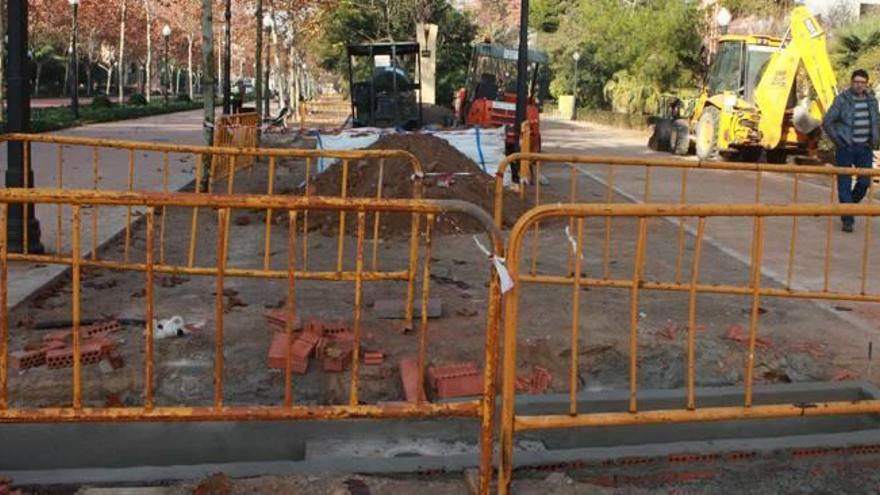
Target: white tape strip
point(500, 267)
point(574, 245)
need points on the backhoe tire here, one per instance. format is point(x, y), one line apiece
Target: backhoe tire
point(749, 155)
point(707, 135)
point(777, 156)
point(661, 139)
point(682, 143)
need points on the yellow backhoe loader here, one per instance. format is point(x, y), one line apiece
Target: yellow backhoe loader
point(751, 102)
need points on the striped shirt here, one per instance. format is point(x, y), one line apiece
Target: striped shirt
point(861, 128)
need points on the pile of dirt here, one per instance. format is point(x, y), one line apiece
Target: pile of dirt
point(440, 160)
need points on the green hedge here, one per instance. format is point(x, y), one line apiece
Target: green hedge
point(604, 117)
point(53, 119)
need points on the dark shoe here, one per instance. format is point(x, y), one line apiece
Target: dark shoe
point(847, 227)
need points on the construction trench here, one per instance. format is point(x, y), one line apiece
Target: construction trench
point(791, 368)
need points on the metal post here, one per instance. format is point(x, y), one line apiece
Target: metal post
point(258, 70)
point(19, 114)
point(167, 79)
point(74, 64)
point(227, 60)
point(522, 68)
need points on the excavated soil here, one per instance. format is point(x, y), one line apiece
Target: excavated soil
point(440, 160)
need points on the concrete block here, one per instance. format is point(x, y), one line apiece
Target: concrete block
point(394, 309)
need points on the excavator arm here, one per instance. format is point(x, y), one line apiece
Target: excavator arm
point(805, 42)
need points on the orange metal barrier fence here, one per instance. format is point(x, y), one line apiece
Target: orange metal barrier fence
point(220, 158)
point(631, 171)
point(641, 281)
point(79, 409)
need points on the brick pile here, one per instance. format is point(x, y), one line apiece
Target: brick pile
point(329, 341)
point(56, 349)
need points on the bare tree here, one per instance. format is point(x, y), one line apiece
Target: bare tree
point(208, 68)
point(121, 59)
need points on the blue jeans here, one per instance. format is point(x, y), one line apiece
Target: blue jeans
point(861, 156)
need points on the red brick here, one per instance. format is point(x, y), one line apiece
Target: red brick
point(321, 347)
point(373, 358)
point(107, 345)
point(22, 360)
point(57, 335)
point(337, 357)
point(409, 375)
point(302, 349)
point(278, 351)
point(100, 329)
point(63, 358)
point(313, 325)
point(436, 373)
point(310, 337)
point(52, 344)
point(460, 386)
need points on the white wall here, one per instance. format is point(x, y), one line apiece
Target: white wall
point(821, 7)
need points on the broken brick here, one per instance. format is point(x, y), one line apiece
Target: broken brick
point(409, 375)
point(536, 383)
point(737, 334)
point(541, 379)
point(373, 358)
point(22, 360)
point(63, 358)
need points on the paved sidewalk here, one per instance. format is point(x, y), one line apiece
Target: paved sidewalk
point(176, 128)
point(734, 235)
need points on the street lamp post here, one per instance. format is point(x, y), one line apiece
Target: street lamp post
point(74, 62)
point(22, 227)
point(267, 24)
point(166, 33)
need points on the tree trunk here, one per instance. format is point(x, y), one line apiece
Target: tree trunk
point(121, 63)
point(208, 72)
point(258, 89)
point(109, 81)
point(149, 65)
point(189, 64)
point(2, 61)
point(276, 62)
point(89, 69)
point(37, 82)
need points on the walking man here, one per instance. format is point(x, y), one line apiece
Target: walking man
point(853, 124)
